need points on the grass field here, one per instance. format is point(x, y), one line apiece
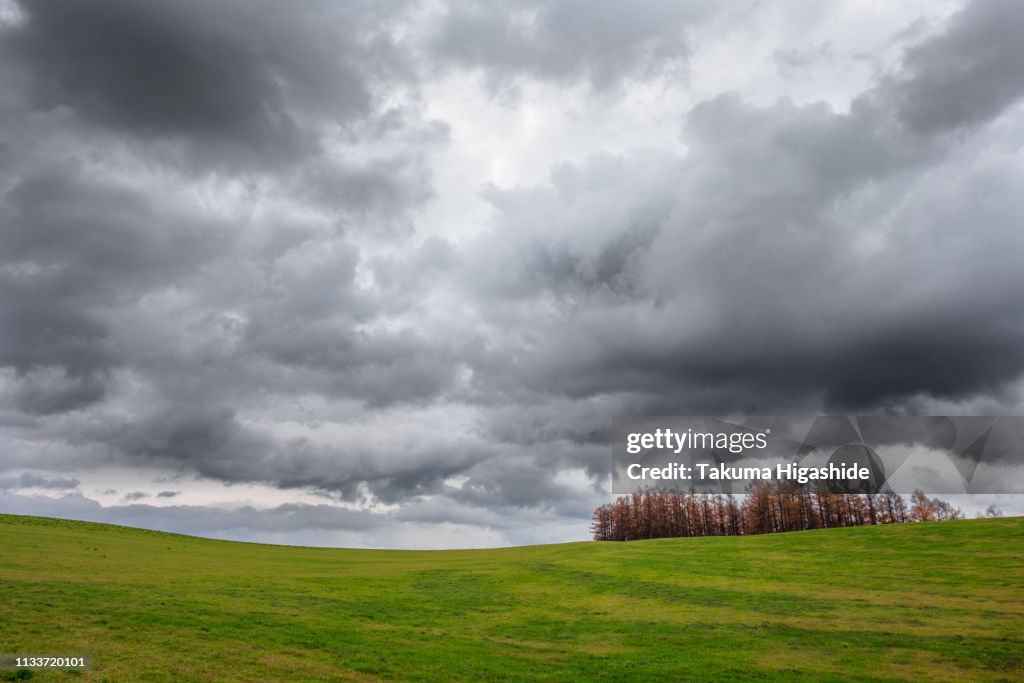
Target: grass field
point(942, 601)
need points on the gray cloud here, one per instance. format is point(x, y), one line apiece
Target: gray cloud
point(966, 75)
point(381, 187)
point(28, 480)
point(601, 42)
point(304, 524)
point(779, 264)
point(199, 519)
point(73, 249)
point(236, 82)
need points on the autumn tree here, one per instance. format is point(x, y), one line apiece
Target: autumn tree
point(921, 507)
point(767, 507)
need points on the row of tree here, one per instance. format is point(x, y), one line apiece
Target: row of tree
point(767, 507)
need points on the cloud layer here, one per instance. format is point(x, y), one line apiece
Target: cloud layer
point(400, 266)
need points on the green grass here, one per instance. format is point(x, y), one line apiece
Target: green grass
point(937, 601)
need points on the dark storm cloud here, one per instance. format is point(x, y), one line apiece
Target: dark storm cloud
point(602, 41)
point(181, 433)
point(801, 259)
point(72, 249)
point(238, 82)
point(97, 241)
point(57, 391)
point(968, 74)
point(395, 464)
point(108, 220)
point(380, 369)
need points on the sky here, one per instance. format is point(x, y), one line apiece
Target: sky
point(381, 274)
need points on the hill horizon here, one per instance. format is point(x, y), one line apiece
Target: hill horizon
point(73, 520)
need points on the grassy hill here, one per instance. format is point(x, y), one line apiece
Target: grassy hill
point(941, 601)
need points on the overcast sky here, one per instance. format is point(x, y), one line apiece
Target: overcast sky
point(381, 274)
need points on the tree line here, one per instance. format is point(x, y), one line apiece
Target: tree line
point(767, 507)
